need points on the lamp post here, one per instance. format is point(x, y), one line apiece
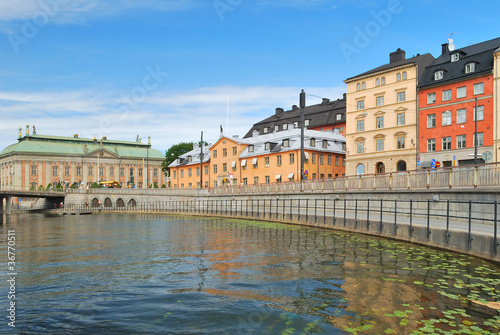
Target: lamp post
point(147, 162)
point(302, 106)
point(475, 132)
point(201, 161)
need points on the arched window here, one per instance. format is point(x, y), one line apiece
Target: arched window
point(404, 75)
point(358, 87)
point(398, 77)
point(383, 81)
point(401, 166)
point(380, 167)
point(360, 170)
point(377, 82)
point(363, 85)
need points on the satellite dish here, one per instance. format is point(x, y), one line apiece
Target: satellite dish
point(451, 46)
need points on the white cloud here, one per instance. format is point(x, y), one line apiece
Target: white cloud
point(169, 117)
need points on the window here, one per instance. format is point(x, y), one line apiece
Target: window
point(380, 122)
point(431, 121)
point(358, 87)
point(382, 81)
point(235, 151)
point(325, 144)
point(292, 158)
point(33, 171)
point(431, 98)
point(250, 148)
point(286, 143)
point(122, 172)
point(363, 85)
point(140, 172)
point(206, 169)
point(215, 168)
point(190, 158)
point(131, 172)
point(398, 77)
point(54, 170)
point(155, 173)
point(266, 130)
point(66, 170)
point(446, 118)
point(479, 139)
point(401, 97)
point(461, 116)
point(321, 159)
point(380, 101)
point(278, 160)
point(307, 122)
point(471, 67)
point(455, 57)
point(461, 141)
point(255, 162)
point(296, 124)
point(255, 180)
point(266, 161)
point(401, 119)
point(91, 171)
point(224, 152)
point(361, 125)
point(276, 128)
point(245, 181)
point(78, 171)
point(197, 171)
point(336, 160)
point(285, 126)
point(190, 172)
point(438, 75)
point(360, 169)
point(338, 117)
point(112, 171)
point(478, 88)
point(314, 158)
point(461, 92)
point(380, 144)
point(182, 173)
point(313, 142)
point(431, 144)
point(233, 165)
point(377, 82)
point(267, 180)
point(404, 76)
point(447, 143)
point(329, 159)
point(214, 154)
point(361, 147)
point(175, 174)
point(447, 95)
point(361, 104)
point(224, 167)
point(267, 146)
point(479, 112)
point(401, 142)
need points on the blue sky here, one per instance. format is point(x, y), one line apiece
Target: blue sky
point(165, 68)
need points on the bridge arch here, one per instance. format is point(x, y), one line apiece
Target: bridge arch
point(120, 203)
point(108, 203)
point(132, 203)
point(95, 202)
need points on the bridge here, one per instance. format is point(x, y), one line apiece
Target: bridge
point(9, 194)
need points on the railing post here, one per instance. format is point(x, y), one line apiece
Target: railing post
point(356, 214)
point(428, 177)
point(450, 178)
point(368, 215)
point(475, 176)
point(381, 214)
point(469, 232)
point(315, 210)
point(428, 219)
point(334, 215)
point(411, 218)
point(408, 176)
point(390, 181)
point(324, 211)
point(495, 229)
point(448, 222)
point(395, 217)
point(345, 206)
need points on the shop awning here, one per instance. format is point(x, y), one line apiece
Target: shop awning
point(278, 176)
point(244, 162)
point(254, 161)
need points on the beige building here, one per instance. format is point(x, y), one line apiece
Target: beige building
point(381, 116)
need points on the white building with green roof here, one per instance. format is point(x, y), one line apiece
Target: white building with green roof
point(39, 160)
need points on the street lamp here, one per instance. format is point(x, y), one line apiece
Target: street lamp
point(201, 161)
point(475, 133)
point(302, 106)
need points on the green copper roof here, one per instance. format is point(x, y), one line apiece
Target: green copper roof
point(71, 146)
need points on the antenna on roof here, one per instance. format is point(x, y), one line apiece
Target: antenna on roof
point(451, 46)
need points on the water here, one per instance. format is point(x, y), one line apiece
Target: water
point(145, 274)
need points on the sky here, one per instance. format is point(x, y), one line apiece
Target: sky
point(173, 69)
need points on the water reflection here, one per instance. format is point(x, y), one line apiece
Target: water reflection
point(119, 274)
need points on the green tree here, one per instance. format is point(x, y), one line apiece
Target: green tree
point(171, 155)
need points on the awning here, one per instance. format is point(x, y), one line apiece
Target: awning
point(278, 176)
point(254, 161)
point(233, 164)
point(244, 162)
point(306, 154)
point(290, 176)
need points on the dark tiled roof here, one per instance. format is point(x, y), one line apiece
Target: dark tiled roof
point(320, 115)
point(421, 60)
point(481, 54)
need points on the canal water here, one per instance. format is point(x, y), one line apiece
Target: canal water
point(150, 274)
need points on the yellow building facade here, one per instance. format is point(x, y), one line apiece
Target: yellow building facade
point(225, 166)
point(381, 116)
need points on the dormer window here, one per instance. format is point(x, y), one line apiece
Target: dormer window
point(455, 57)
point(250, 148)
point(307, 122)
point(266, 130)
point(268, 146)
point(338, 117)
point(325, 144)
point(285, 126)
point(190, 158)
point(276, 128)
point(438, 75)
point(471, 67)
point(313, 142)
point(286, 143)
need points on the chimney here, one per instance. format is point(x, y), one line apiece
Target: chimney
point(444, 48)
point(279, 111)
point(325, 101)
point(105, 138)
point(196, 146)
point(75, 135)
point(397, 56)
point(344, 96)
point(295, 107)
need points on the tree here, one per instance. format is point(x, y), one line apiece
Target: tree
point(175, 151)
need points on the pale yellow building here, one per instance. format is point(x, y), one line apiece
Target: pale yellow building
point(381, 116)
point(496, 107)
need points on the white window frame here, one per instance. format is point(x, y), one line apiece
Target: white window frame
point(431, 98)
point(445, 96)
point(470, 67)
point(446, 118)
point(438, 75)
